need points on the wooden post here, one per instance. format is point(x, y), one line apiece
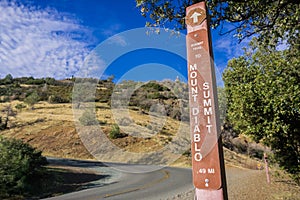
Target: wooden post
point(267, 167)
point(207, 152)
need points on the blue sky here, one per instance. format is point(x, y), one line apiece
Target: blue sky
point(55, 38)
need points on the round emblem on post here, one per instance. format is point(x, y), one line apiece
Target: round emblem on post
point(195, 17)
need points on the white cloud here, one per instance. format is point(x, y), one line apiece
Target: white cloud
point(112, 29)
point(93, 66)
point(230, 46)
point(118, 39)
point(224, 45)
point(40, 43)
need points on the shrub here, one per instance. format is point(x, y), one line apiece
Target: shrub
point(88, 118)
point(115, 132)
point(57, 99)
point(7, 80)
point(239, 145)
point(32, 99)
point(20, 106)
point(187, 153)
point(256, 150)
point(32, 81)
point(20, 167)
point(125, 121)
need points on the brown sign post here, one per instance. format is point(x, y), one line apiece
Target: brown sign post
point(207, 154)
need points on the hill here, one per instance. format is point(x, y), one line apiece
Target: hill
point(156, 112)
point(155, 119)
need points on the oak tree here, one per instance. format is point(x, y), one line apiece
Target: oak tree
point(263, 92)
point(272, 20)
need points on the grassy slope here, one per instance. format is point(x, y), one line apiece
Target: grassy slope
point(50, 128)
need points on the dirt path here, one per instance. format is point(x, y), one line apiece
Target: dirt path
point(246, 184)
point(252, 184)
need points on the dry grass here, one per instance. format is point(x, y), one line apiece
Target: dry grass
point(48, 127)
point(52, 129)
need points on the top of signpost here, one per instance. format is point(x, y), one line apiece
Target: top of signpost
point(195, 16)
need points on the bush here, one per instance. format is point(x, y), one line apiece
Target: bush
point(116, 133)
point(32, 99)
point(20, 106)
point(239, 145)
point(7, 80)
point(57, 99)
point(33, 81)
point(187, 153)
point(88, 118)
point(256, 150)
point(125, 121)
point(20, 167)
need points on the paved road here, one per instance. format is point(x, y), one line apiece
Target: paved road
point(160, 184)
point(165, 184)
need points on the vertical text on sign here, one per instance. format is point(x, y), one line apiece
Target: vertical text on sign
point(207, 105)
point(193, 72)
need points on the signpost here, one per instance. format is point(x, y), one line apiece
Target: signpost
point(267, 167)
point(207, 154)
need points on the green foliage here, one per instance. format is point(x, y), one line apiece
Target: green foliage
point(222, 101)
point(11, 91)
point(20, 106)
point(84, 91)
point(115, 132)
point(59, 94)
point(154, 86)
point(7, 80)
point(50, 81)
point(56, 91)
point(33, 81)
point(271, 19)
point(20, 167)
point(32, 99)
point(57, 99)
point(172, 95)
point(263, 91)
point(88, 118)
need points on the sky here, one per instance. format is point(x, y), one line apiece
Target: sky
point(64, 38)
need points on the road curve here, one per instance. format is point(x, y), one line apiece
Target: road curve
point(160, 184)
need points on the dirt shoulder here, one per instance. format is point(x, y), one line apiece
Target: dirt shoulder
point(247, 184)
